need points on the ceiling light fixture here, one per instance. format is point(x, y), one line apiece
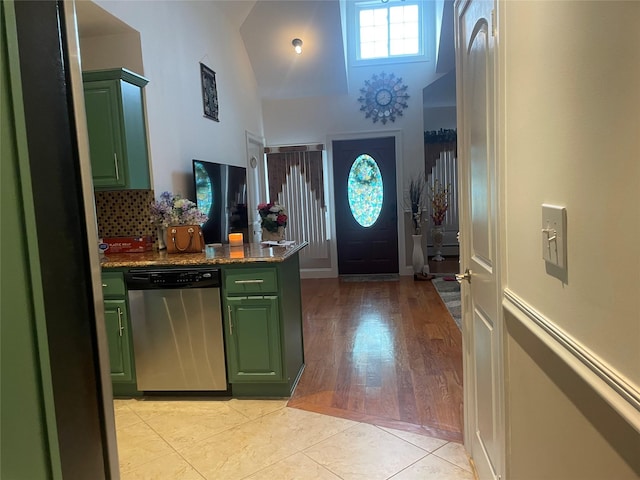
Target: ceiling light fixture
point(297, 45)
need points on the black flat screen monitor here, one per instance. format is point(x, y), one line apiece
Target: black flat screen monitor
point(221, 193)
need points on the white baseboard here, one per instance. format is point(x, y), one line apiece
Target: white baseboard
point(330, 273)
point(317, 273)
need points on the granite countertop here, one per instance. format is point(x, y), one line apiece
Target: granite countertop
point(247, 253)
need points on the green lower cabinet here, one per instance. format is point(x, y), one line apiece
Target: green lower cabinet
point(263, 327)
point(119, 340)
point(117, 325)
point(253, 339)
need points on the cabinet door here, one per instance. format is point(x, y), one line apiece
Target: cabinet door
point(102, 104)
point(253, 339)
point(117, 325)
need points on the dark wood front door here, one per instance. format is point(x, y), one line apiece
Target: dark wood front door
point(364, 177)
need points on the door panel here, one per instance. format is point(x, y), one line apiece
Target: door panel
point(374, 248)
point(253, 339)
point(116, 322)
point(101, 104)
point(483, 382)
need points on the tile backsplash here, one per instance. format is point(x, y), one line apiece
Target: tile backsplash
point(124, 213)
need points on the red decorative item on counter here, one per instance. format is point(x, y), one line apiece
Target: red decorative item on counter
point(127, 244)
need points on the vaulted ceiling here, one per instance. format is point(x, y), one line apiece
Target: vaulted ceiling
point(268, 31)
point(267, 28)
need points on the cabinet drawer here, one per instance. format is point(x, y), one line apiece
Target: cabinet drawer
point(258, 280)
point(113, 284)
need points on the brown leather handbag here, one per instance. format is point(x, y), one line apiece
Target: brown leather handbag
point(184, 239)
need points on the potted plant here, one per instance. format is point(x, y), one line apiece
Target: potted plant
point(439, 198)
point(416, 199)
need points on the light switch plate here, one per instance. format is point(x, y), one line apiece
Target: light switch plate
point(554, 235)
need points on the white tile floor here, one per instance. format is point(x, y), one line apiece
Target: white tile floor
point(230, 439)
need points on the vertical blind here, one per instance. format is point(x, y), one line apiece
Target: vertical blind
point(445, 171)
point(296, 181)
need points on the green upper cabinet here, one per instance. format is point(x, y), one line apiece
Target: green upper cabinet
point(117, 129)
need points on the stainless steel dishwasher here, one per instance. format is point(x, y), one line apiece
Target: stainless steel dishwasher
point(176, 321)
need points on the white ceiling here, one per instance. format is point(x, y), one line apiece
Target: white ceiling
point(267, 28)
point(267, 32)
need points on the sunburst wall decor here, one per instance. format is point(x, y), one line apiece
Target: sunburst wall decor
point(383, 98)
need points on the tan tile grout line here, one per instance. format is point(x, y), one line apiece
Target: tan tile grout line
point(411, 443)
point(469, 470)
point(409, 466)
point(322, 466)
point(154, 458)
point(166, 442)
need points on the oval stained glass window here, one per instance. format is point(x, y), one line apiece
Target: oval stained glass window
point(365, 190)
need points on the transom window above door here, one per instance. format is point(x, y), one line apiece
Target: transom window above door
point(389, 31)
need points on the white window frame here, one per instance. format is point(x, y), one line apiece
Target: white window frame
point(426, 34)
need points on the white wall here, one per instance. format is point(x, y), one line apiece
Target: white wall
point(575, 93)
point(572, 138)
point(175, 37)
point(560, 428)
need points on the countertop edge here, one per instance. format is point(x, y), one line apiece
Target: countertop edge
point(224, 255)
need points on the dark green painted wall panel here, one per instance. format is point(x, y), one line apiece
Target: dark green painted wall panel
point(60, 233)
point(24, 443)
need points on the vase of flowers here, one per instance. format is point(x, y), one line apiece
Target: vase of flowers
point(273, 220)
point(439, 197)
point(416, 202)
point(170, 210)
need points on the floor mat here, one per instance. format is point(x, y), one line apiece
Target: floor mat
point(449, 291)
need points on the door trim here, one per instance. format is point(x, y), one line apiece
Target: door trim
point(403, 268)
point(260, 196)
point(105, 393)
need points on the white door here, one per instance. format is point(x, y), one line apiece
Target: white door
point(256, 184)
point(477, 133)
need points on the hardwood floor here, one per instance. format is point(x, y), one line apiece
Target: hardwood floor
point(386, 353)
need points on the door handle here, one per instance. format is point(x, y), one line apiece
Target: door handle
point(464, 276)
point(230, 322)
point(115, 164)
point(120, 327)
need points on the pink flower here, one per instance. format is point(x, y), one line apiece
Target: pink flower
point(272, 216)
